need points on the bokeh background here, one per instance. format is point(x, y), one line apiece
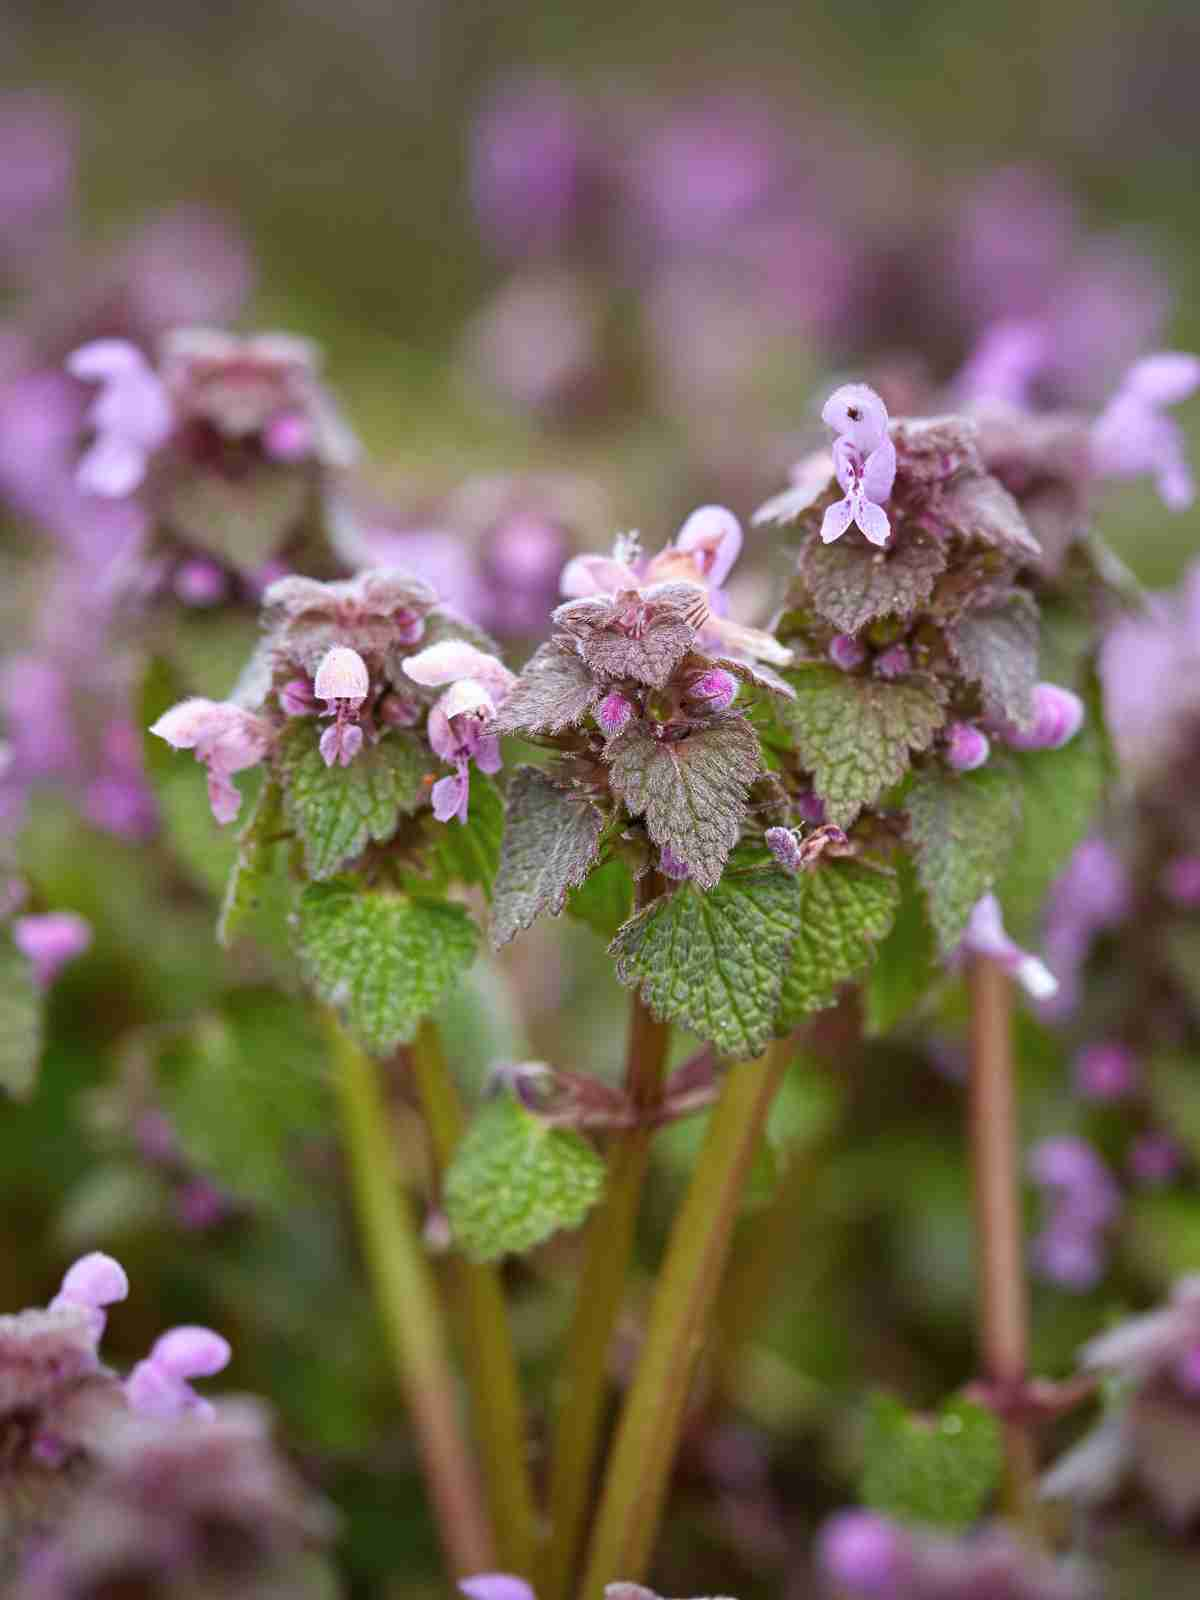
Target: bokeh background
point(340, 144)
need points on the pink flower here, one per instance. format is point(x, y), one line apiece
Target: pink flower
point(132, 416)
point(94, 1282)
point(159, 1386)
point(985, 936)
point(864, 463)
point(846, 652)
point(50, 941)
point(226, 739)
point(1106, 1071)
point(1057, 717)
point(1132, 436)
point(613, 712)
point(478, 685)
point(967, 747)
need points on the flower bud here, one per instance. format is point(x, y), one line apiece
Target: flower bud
point(863, 1554)
point(613, 713)
point(288, 437)
point(785, 847)
point(810, 807)
point(49, 942)
point(671, 866)
point(967, 746)
point(1106, 1071)
point(342, 675)
point(1057, 717)
point(296, 698)
point(894, 663)
point(199, 582)
point(716, 688)
point(846, 652)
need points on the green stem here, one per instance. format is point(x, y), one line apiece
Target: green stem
point(406, 1295)
point(485, 1334)
point(999, 1243)
point(608, 1251)
point(643, 1454)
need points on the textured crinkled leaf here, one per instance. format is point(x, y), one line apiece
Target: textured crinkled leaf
point(252, 866)
point(714, 962)
point(940, 1471)
point(469, 852)
point(692, 791)
point(336, 810)
point(555, 691)
point(756, 673)
point(305, 618)
point(977, 506)
point(242, 520)
point(605, 899)
point(514, 1181)
point(851, 582)
point(855, 734)
point(245, 1088)
point(551, 837)
point(845, 909)
point(905, 962)
point(20, 1020)
point(997, 648)
point(384, 959)
point(963, 826)
point(931, 449)
point(643, 634)
point(1062, 791)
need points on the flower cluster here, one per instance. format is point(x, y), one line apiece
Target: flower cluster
point(864, 1556)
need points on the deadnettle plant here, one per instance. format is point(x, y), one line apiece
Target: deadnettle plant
point(230, 444)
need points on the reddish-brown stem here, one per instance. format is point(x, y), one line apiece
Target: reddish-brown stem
point(1003, 1315)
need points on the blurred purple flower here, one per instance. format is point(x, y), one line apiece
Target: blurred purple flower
point(865, 1555)
point(1107, 1070)
point(1058, 715)
point(534, 169)
point(132, 416)
point(967, 747)
point(1154, 1158)
point(159, 1386)
point(50, 941)
point(985, 936)
point(1132, 436)
point(1181, 881)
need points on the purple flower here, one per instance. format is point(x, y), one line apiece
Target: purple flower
point(894, 662)
point(50, 941)
point(132, 416)
point(94, 1282)
point(159, 1386)
point(864, 463)
point(478, 686)
point(342, 678)
point(199, 582)
point(1132, 436)
point(1085, 1201)
point(985, 936)
point(864, 1554)
point(967, 746)
point(1106, 1071)
point(1181, 881)
point(1057, 717)
point(296, 698)
point(1154, 1158)
point(531, 166)
point(715, 689)
point(846, 652)
point(226, 740)
point(1002, 368)
point(496, 1586)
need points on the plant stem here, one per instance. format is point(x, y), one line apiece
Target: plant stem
point(485, 1334)
point(1003, 1315)
point(640, 1462)
point(608, 1251)
point(408, 1307)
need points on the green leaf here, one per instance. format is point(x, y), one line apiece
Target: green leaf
point(515, 1180)
point(555, 691)
point(854, 734)
point(851, 582)
point(551, 839)
point(1061, 791)
point(605, 899)
point(692, 791)
point(714, 963)
point(963, 827)
point(997, 648)
point(940, 1470)
point(203, 848)
point(845, 909)
point(469, 852)
point(335, 810)
point(906, 961)
point(20, 1020)
point(246, 1090)
point(252, 867)
point(384, 959)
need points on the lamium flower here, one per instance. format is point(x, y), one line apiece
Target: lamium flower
point(865, 1555)
point(1107, 1070)
point(478, 686)
point(671, 866)
point(1132, 436)
point(864, 463)
point(1058, 715)
point(1070, 1250)
point(95, 1282)
point(846, 652)
point(1154, 1158)
point(716, 689)
point(132, 417)
point(785, 847)
point(159, 1386)
point(985, 936)
point(226, 739)
point(703, 553)
point(51, 940)
point(895, 662)
point(613, 713)
point(343, 682)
